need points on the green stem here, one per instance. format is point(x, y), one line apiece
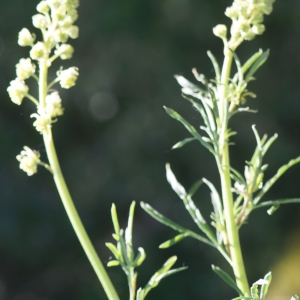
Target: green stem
point(234, 247)
point(66, 197)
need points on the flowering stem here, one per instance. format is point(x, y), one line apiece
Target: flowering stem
point(66, 197)
point(224, 170)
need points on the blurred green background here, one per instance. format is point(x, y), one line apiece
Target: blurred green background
point(115, 138)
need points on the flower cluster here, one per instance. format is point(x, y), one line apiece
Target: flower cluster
point(247, 17)
point(17, 91)
point(29, 159)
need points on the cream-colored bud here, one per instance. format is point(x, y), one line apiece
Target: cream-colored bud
point(42, 122)
point(29, 160)
point(249, 35)
point(72, 32)
point(68, 77)
point(258, 28)
point(65, 51)
point(25, 38)
point(38, 51)
point(60, 36)
point(220, 31)
point(39, 21)
point(53, 105)
point(42, 7)
point(231, 13)
point(17, 91)
point(25, 68)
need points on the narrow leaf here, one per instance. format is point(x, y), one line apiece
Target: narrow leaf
point(182, 143)
point(172, 241)
point(162, 219)
point(271, 181)
point(271, 210)
point(258, 63)
point(184, 83)
point(215, 65)
point(113, 249)
point(115, 220)
point(265, 287)
point(189, 127)
point(140, 257)
point(226, 278)
point(194, 188)
point(113, 263)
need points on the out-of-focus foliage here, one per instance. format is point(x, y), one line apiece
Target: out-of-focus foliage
point(115, 139)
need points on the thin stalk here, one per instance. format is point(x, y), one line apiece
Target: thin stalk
point(234, 247)
point(132, 283)
point(66, 197)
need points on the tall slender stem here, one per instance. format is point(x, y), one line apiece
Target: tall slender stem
point(66, 197)
point(224, 170)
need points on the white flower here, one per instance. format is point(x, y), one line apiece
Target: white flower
point(65, 51)
point(25, 68)
point(38, 51)
point(25, 38)
point(53, 105)
point(42, 122)
point(220, 31)
point(68, 77)
point(17, 90)
point(42, 7)
point(39, 21)
point(29, 160)
point(60, 36)
point(72, 31)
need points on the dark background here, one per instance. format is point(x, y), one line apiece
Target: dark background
point(114, 140)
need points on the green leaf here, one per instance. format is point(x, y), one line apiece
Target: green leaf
point(271, 181)
point(226, 278)
point(172, 113)
point(258, 63)
point(265, 287)
point(173, 241)
point(271, 210)
point(140, 257)
point(113, 263)
point(113, 249)
point(162, 219)
point(162, 273)
point(194, 188)
point(182, 143)
point(215, 65)
point(115, 220)
point(128, 233)
point(276, 203)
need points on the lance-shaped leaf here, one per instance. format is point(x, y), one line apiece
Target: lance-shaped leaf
point(173, 241)
point(164, 220)
point(139, 258)
point(182, 143)
point(189, 127)
point(255, 66)
point(162, 273)
point(226, 278)
point(276, 203)
point(186, 84)
point(271, 181)
point(215, 65)
point(265, 286)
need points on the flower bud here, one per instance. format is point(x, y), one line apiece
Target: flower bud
point(25, 68)
point(29, 160)
point(60, 36)
point(220, 31)
point(38, 51)
point(25, 38)
point(258, 28)
point(39, 21)
point(42, 122)
point(72, 32)
point(68, 77)
point(42, 7)
point(65, 51)
point(17, 90)
point(53, 105)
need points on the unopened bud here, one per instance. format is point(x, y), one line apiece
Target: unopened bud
point(25, 38)
point(220, 31)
